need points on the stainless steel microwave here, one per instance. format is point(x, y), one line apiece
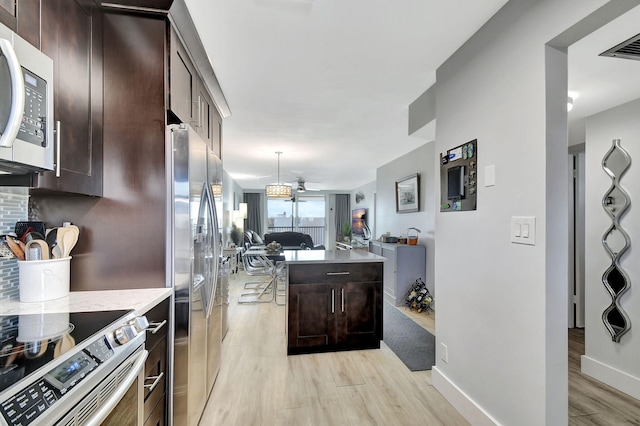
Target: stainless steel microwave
point(26, 106)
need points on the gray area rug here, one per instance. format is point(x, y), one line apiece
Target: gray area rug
point(414, 345)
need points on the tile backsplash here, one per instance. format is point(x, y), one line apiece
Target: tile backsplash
point(14, 207)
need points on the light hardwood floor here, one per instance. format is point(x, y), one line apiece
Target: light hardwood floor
point(592, 402)
point(259, 384)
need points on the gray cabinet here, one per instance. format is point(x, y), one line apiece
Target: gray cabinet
point(404, 265)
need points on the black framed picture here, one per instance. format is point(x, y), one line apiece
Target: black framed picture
point(408, 194)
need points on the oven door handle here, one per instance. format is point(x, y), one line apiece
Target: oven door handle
point(115, 398)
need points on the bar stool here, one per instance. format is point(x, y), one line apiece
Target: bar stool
point(258, 266)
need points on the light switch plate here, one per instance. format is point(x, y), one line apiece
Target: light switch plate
point(490, 175)
point(523, 230)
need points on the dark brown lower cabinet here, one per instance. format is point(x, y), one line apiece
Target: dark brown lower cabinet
point(155, 368)
point(334, 307)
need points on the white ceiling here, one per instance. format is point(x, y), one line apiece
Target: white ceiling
point(329, 82)
point(598, 82)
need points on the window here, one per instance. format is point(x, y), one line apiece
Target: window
point(306, 214)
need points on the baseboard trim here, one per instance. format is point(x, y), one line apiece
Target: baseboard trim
point(469, 409)
point(620, 380)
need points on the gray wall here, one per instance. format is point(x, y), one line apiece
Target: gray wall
point(422, 161)
point(613, 363)
point(501, 306)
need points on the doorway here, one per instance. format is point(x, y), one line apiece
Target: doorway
point(576, 287)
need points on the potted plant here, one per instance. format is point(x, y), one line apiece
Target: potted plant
point(346, 231)
point(235, 235)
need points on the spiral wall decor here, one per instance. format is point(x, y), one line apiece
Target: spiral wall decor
point(616, 241)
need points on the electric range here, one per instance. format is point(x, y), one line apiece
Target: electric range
point(46, 359)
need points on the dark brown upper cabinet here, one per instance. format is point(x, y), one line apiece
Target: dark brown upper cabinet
point(71, 35)
point(8, 13)
point(188, 97)
point(142, 5)
point(183, 82)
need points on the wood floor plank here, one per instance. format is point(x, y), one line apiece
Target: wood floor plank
point(592, 402)
point(344, 370)
point(293, 417)
point(259, 384)
point(324, 402)
point(289, 386)
point(360, 408)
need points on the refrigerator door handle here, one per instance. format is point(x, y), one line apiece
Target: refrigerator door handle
point(208, 200)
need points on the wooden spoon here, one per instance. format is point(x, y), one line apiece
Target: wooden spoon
point(69, 240)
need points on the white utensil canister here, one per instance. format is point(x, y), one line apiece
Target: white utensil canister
point(43, 280)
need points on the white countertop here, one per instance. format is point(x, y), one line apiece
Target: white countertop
point(141, 300)
point(331, 256)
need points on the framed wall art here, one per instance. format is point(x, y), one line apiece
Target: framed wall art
point(408, 194)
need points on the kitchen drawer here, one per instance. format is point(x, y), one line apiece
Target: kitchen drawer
point(156, 331)
point(335, 273)
point(155, 367)
point(158, 415)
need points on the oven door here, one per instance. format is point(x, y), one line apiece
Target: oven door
point(117, 400)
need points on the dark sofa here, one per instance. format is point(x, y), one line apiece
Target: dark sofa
point(289, 239)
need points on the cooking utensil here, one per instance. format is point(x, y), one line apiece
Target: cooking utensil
point(52, 241)
point(66, 238)
point(15, 247)
point(71, 234)
point(69, 240)
point(33, 235)
point(22, 228)
point(37, 250)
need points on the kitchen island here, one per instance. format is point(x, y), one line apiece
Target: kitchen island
point(334, 300)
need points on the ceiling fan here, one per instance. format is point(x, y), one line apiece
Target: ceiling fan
point(300, 186)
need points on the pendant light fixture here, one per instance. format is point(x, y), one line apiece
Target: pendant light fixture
point(278, 190)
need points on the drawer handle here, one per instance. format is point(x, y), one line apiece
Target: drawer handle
point(333, 301)
point(156, 380)
point(337, 273)
point(156, 326)
point(342, 297)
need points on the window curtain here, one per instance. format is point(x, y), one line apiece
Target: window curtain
point(343, 212)
point(254, 212)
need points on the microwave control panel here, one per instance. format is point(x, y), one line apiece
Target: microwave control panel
point(33, 126)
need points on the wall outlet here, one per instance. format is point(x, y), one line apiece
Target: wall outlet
point(444, 353)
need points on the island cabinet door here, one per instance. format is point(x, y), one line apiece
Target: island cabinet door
point(359, 315)
point(312, 316)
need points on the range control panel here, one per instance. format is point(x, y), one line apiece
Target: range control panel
point(27, 405)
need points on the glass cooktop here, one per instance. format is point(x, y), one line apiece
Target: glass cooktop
point(28, 342)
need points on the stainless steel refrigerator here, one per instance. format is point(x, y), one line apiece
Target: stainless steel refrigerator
point(193, 268)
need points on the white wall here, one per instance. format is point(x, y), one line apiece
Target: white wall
point(501, 306)
point(422, 161)
point(613, 363)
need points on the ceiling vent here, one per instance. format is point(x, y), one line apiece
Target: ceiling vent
point(629, 49)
